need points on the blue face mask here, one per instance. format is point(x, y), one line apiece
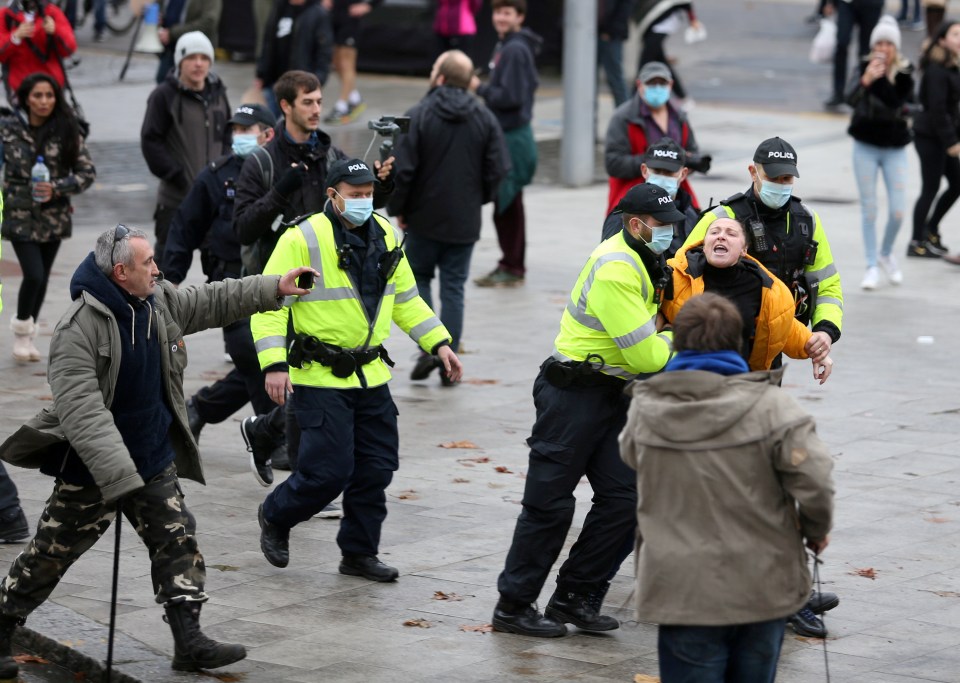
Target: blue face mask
point(773, 194)
point(356, 211)
point(656, 95)
point(668, 183)
point(244, 144)
point(660, 239)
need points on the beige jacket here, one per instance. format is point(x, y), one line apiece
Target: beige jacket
point(731, 477)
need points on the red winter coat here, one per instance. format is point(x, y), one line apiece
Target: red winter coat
point(38, 53)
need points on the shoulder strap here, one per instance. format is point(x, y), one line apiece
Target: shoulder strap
point(265, 162)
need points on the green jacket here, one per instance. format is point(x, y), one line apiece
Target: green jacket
point(200, 15)
point(83, 370)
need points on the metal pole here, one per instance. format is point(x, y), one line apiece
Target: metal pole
point(579, 90)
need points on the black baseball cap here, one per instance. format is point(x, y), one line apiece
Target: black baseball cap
point(249, 114)
point(647, 199)
point(665, 155)
point(351, 171)
point(777, 157)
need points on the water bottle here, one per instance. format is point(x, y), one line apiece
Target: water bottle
point(39, 174)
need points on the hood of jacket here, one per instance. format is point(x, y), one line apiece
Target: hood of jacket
point(723, 402)
point(89, 278)
point(452, 103)
point(211, 89)
point(533, 40)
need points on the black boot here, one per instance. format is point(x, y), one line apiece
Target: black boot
point(192, 650)
point(524, 620)
point(573, 608)
point(8, 666)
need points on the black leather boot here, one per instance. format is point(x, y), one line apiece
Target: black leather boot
point(8, 666)
point(574, 608)
point(192, 650)
point(524, 620)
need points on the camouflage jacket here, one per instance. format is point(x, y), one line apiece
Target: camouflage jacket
point(23, 219)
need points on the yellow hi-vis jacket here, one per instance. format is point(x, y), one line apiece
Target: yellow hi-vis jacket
point(333, 311)
point(611, 313)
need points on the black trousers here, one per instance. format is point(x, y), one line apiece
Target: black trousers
point(864, 14)
point(575, 434)
point(934, 165)
point(36, 261)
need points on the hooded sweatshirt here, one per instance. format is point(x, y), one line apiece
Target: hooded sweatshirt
point(139, 408)
point(513, 79)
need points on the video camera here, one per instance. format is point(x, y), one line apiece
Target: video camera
point(388, 127)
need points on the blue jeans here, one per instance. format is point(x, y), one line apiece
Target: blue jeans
point(610, 57)
point(867, 161)
point(99, 15)
point(720, 654)
point(453, 261)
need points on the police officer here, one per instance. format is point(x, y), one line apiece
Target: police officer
point(788, 238)
point(338, 366)
point(205, 221)
point(608, 336)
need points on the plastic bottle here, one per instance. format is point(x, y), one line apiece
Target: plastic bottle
point(39, 174)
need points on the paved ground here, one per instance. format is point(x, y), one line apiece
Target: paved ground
point(889, 414)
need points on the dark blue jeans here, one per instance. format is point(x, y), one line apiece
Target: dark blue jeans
point(349, 444)
point(610, 58)
point(426, 256)
point(864, 14)
point(720, 654)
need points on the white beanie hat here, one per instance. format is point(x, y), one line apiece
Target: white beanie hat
point(886, 29)
point(192, 43)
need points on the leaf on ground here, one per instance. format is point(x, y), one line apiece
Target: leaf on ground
point(806, 639)
point(947, 594)
point(461, 480)
point(644, 678)
point(45, 397)
point(418, 623)
point(458, 444)
point(469, 461)
point(478, 380)
point(477, 628)
point(503, 469)
point(936, 520)
point(452, 597)
point(224, 567)
point(225, 677)
point(29, 659)
point(866, 572)
point(407, 494)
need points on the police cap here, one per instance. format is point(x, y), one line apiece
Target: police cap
point(665, 155)
point(647, 199)
point(249, 114)
point(777, 157)
point(350, 171)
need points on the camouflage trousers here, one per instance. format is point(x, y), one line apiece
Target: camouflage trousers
point(75, 517)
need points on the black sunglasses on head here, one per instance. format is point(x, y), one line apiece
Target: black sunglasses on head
point(119, 233)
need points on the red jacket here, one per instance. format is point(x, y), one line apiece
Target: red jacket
point(38, 53)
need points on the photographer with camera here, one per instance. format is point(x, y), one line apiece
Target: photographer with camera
point(35, 37)
point(449, 165)
point(335, 370)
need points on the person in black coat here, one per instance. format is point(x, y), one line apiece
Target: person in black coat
point(298, 35)
point(448, 165)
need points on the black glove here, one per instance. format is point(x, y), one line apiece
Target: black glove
point(291, 180)
point(701, 165)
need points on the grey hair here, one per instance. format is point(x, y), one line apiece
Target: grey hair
point(106, 253)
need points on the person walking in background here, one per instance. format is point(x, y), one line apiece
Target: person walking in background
point(184, 127)
point(455, 24)
point(181, 17)
point(914, 23)
point(657, 21)
point(881, 133)
point(936, 132)
point(510, 94)
point(449, 165)
point(934, 11)
point(298, 36)
point(696, 560)
point(612, 30)
point(863, 14)
point(35, 37)
point(347, 18)
point(38, 214)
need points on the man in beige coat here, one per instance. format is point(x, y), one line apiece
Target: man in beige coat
point(732, 482)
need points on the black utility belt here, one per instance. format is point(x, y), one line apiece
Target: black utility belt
point(342, 362)
point(585, 373)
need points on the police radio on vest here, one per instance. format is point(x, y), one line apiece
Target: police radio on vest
point(780, 155)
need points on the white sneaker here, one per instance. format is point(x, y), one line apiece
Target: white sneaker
point(890, 267)
point(871, 279)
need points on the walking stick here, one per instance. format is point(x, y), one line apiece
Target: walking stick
point(113, 595)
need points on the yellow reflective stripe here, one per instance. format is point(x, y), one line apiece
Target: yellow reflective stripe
point(313, 246)
point(391, 289)
point(636, 336)
point(266, 343)
point(404, 297)
point(428, 325)
point(584, 318)
point(329, 294)
point(602, 261)
point(820, 275)
point(611, 370)
point(830, 300)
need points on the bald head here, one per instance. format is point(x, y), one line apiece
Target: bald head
point(454, 68)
